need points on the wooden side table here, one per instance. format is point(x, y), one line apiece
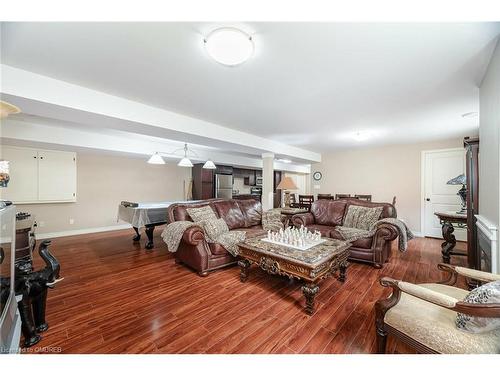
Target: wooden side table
point(449, 221)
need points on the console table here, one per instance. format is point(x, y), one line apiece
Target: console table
point(449, 221)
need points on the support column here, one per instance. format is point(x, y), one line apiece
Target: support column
point(267, 181)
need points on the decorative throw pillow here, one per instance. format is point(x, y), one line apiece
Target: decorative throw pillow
point(361, 217)
point(271, 220)
point(214, 228)
point(487, 293)
point(201, 213)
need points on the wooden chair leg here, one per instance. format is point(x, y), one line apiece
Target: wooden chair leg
point(381, 341)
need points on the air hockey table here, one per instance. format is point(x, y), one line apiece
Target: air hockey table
point(145, 215)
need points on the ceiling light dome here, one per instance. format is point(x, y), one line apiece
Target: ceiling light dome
point(229, 46)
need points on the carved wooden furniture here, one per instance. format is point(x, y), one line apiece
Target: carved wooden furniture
point(311, 265)
point(364, 197)
point(32, 285)
point(472, 199)
point(423, 316)
point(449, 220)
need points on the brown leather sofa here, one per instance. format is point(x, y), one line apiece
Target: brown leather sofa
point(194, 251)
point(325, 215)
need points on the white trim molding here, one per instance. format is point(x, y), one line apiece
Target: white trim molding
point(75, 232)
point(491, 232)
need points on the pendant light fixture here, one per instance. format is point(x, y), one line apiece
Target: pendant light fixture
point(209, 164)
point(185, 162)
point(157, 158)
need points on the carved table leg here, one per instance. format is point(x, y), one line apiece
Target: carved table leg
point(137, 236)
point(343, 271)
point(310, 291)
point(149, 233)
point(244, 269)
point(449, 241)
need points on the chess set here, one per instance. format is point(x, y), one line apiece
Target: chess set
point(296, 238)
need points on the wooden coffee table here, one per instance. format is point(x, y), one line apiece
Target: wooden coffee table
point(311, 266)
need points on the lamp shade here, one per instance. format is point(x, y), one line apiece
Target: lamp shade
point(185, 162)
point(156, 159)
point(209, 164)
point(287, 184)
point(459, 180)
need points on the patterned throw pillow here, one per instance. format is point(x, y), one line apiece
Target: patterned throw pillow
point(271, 220)
point(361, 217)
point(214, 228)
point(487, 293)
point(201, 213)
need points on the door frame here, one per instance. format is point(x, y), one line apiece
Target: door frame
point(422, 182)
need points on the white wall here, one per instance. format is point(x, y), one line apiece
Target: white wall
point(103, 181)
point(383, 172)
point(489, 144)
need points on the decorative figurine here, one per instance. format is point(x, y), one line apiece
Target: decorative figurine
point(33, 287)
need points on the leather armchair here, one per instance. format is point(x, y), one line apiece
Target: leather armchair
point(424, 315)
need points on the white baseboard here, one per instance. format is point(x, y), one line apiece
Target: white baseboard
point(43, 236)
point(417, 234)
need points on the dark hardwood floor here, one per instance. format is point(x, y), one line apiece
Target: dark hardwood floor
point(116, 298)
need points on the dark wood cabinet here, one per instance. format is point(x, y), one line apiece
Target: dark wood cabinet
point(472, 177)
point(223, 169)
point(248, 175)
point(203, 182)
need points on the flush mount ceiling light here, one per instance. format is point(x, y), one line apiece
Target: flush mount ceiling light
point(361, 136)
point(7, 109)
point(229, 46)
point(470, 115)
point(287, 161)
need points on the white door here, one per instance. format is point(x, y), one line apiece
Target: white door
point(23, 172)
point(56, 176)
point(440, 167)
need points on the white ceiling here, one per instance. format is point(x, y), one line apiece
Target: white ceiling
point(312, 85)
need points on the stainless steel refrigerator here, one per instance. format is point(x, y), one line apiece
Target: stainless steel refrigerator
point(223, 186)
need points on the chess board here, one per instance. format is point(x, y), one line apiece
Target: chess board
point(305, 247)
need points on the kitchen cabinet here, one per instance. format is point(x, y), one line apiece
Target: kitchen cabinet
point(203, 182)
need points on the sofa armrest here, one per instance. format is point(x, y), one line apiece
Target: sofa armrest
point(386, 231)
point(491, 310)
point(454, 271)
point(194, 235)
point(303, 219)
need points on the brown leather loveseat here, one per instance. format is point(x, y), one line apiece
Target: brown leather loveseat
point(194, 251)
point(325, 215)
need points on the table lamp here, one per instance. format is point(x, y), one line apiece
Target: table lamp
point(287, 184)
point(462, 193)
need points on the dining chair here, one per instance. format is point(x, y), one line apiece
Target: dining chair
point(364, 197)
point(340, 196)
point(325, 196)
point(305, 201)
